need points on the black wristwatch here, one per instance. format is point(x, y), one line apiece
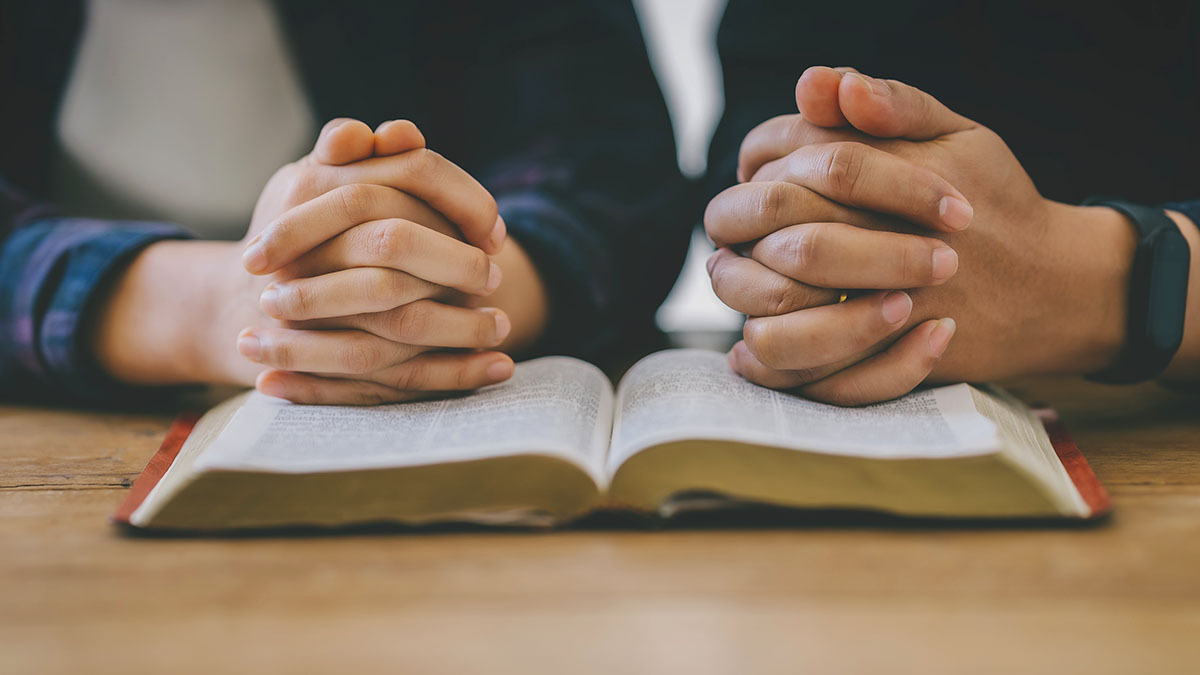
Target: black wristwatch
point(1157, 294)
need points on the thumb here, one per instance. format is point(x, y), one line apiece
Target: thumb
point(343, 140)
point(892, 109)
point(396, 136)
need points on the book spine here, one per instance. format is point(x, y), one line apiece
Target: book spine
point(180, 429)
point(1089, 487)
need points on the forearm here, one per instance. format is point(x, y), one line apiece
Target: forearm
point(163, 319)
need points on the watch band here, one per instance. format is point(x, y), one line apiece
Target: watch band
point(1157, 294)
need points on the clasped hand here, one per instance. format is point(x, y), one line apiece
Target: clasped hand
point(933, 231)
point(368, 279)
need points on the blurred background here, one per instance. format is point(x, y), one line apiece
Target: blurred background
point(681, 38)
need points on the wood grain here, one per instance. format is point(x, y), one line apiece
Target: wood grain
point(77, 596)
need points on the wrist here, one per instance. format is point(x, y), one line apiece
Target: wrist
point(1097, 246)
point(162, 321)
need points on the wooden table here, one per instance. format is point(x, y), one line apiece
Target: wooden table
point(77, 596)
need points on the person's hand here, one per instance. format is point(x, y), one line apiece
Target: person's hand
point(1031, 286)
point(175, 314)
point(368, 279)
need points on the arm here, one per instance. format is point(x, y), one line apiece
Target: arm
point(346, 284)
point(54, 271)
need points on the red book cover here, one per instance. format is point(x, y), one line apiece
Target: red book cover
point(156, 467)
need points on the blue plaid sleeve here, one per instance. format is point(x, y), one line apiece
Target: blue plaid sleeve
point(52, 271)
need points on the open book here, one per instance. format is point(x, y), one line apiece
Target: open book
point(555, 442)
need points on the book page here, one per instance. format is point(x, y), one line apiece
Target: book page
point(689, 394)
point(554, 405)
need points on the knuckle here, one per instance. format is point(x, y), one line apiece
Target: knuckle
point(797, 131)
point(463, 379)
point(369, 395)
point(412, 321)
point(391, 240)
point(843, 167)
point(414, 376)
point(359, 356)
point(281, 354)
point(299, 301)
point(781, 298)
point(805, 246)
point(356, 202)
point(771, 200)
point(491, 210)
point(916, 265)
point(478, 268)
point(803, 376)
point(846, 393)
point(760, 340)
point(421, 163)
point(378, 286)
point(485, 329)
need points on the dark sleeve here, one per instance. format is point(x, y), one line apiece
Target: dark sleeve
point(53, 270)
point(557, 112)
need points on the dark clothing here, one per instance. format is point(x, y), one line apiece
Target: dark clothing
point(1093, 98)
point(551, 105)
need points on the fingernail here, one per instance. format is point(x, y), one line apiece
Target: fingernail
point(503, 325)
point(494, 278)
point(254, 259)
point(269, 301)
point(712, 260)
point(876, 87)
point(945, 263)
point(499, 232)
point(249, 346)
point(955, 213)
point(500, 371)
point(855, 77)
point(896, 307)
point(939, 339)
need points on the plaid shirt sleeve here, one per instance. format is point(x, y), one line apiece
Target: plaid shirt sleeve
point(52, 270)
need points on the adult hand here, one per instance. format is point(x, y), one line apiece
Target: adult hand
point(330, 329)
point(1031, 286)
point(368, 279)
